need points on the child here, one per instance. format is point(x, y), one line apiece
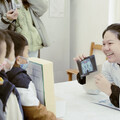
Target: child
point(8, 93)
point(33, 110)
point(2, 57)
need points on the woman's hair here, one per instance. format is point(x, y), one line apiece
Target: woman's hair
point(19, 42)
point(26, 4)
point(115, 28)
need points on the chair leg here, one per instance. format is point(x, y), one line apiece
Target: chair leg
point(69, 76)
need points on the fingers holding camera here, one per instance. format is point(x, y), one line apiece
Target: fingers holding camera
point(80, 58)
point(12, 14)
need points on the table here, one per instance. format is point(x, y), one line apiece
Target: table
point(78, 105)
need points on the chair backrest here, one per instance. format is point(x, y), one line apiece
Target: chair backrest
point(95, 46)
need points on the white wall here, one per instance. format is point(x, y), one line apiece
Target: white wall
point(114, 11)
point(88, 20)
point(59, 34)
point(84, 22)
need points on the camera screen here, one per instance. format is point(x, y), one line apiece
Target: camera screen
point(87, 66)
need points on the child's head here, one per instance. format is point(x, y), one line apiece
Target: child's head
point(20, 47)
point(2, 49)
point(10, 54)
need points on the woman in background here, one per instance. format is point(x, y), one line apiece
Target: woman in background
point(22, 16)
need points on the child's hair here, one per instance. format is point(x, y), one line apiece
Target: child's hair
point(19, 42)
point(8, 41)
point(2, 39)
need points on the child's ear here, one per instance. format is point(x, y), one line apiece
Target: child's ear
point(18, 60)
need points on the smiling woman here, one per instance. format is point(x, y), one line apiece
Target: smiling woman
point(109, 81)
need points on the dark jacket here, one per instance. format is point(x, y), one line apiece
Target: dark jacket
point(19, 77)
point(6, 89)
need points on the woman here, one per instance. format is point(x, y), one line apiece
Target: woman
point(109, 80)
point(22, 16)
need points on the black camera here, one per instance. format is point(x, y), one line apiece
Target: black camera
point(86, 66)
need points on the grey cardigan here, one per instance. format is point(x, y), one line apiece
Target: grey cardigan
point(37, 9)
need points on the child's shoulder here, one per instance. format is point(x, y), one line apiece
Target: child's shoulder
point(16, 70)
point(3, 75)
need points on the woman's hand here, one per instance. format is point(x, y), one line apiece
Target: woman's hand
point(103, 84)
point(12, 15)
point(82, 57)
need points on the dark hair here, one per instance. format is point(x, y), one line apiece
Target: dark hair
point(2, 39)
point(115, 28)
point(19, 42)
point(26, 4)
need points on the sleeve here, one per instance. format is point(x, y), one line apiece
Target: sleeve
point(81, 80)
point(4, 22)
point(39, 7)
point(106, 71)
point(114, 97)
point(38, 113)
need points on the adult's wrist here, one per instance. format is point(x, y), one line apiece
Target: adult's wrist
point(109, 91)
point(5, 19)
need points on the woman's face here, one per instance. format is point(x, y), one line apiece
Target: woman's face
point(111, 47)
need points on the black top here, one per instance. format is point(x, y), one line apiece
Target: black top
point(19, 77)
point(6, 89)
point(114, 97)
